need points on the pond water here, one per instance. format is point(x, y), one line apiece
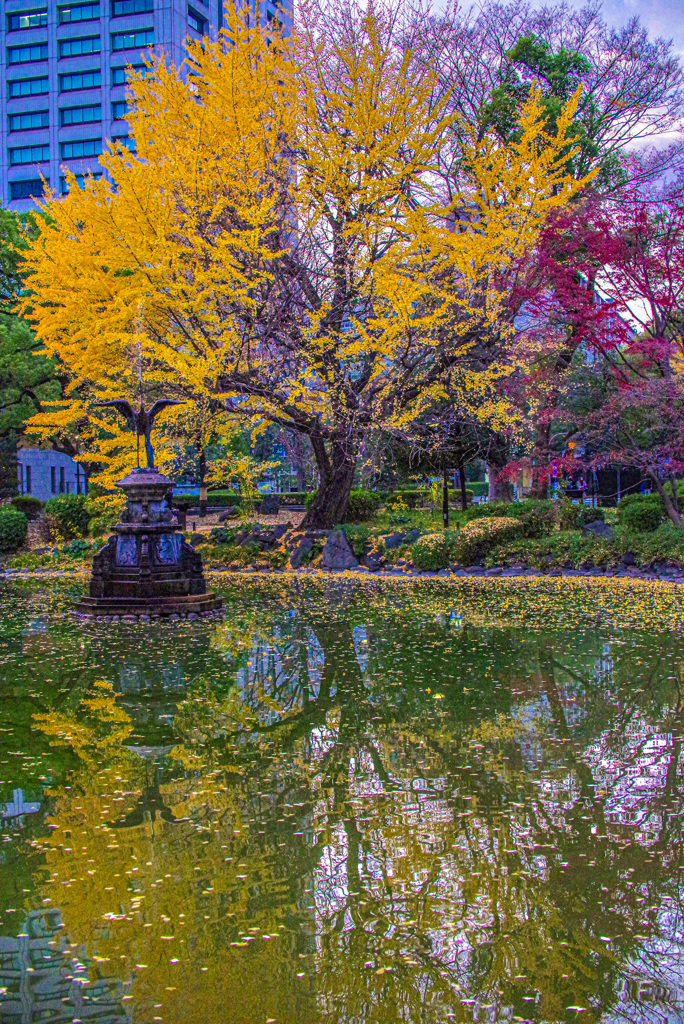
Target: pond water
point(350, 802)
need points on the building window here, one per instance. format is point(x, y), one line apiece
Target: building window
point(120, 7)
point(80, 115)
point(80, 80)
point(27, 19)
point(120, 75)
point(273, 21)
point(119, 109)
point(81, 148)
point(29, 482)
point(84, 12)
point(126, 142)
point(131, 40)
point(26, 54)
point(61, 480)
point(28, 87)
point(76, 47)
point(196, 21)
point(80, 181)
point(53, 480)
point(29, 189)
point(28, 155)
point(25, 122)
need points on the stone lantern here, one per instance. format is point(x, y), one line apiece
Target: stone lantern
point(147, 570)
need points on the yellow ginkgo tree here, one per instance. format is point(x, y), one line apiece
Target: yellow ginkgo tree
point(279, 243)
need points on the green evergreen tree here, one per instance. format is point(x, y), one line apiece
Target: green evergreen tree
point(27, 375)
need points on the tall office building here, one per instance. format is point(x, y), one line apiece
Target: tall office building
point(63, 83)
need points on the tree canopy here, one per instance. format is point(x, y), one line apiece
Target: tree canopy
point(279, 240)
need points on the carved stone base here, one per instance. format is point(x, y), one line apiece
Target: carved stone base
point(194, 605)
point(147, 570)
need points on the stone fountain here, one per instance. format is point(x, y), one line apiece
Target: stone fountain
point(147, 570)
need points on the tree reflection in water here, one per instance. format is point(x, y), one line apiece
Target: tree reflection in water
point(349, 815)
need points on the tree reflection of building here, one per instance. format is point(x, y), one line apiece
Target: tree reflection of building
point(14, 811)
point(41, 980)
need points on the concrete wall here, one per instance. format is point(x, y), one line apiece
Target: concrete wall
point(46, 474)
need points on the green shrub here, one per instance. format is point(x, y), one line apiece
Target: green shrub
point(490, 509)
point(76, 548)
point(430, 552)
point(638, 499)
point(480, 488)
point(537, 518)
point(359, 537)
point(105, 511)
point(69, 515)
point(219, 499)
point(362, 505)
point(641, 512)
point(412, 497)
point(480, 535)
point(31, 507)
point(13, 528)
point(574, 517)
point(293, 497)
point(666, 544)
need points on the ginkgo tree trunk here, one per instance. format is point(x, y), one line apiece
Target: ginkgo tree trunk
point(278, 241)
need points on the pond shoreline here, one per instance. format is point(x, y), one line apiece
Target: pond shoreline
point(472, 572)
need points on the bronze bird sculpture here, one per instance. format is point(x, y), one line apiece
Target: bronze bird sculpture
point(141, 421)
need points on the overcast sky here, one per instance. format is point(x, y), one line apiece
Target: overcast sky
point(660, 17)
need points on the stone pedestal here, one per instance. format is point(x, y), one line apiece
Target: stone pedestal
point(147, 568)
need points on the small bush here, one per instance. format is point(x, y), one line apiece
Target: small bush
point(410, 497)
point(76, 548)
point(359, 538)
point(31, 507)
point(574, 517)
point(362, 505)
point(13, 528)
point(490, 509)
point(69, 515)
point(105, 511)
point(641, 512)
point(480, 535)
point(537, 518)
point(430, 552)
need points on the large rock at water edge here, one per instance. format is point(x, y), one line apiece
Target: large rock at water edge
point(301, 549)
point(393, 540)
point(337, 554)
point(599, 529)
